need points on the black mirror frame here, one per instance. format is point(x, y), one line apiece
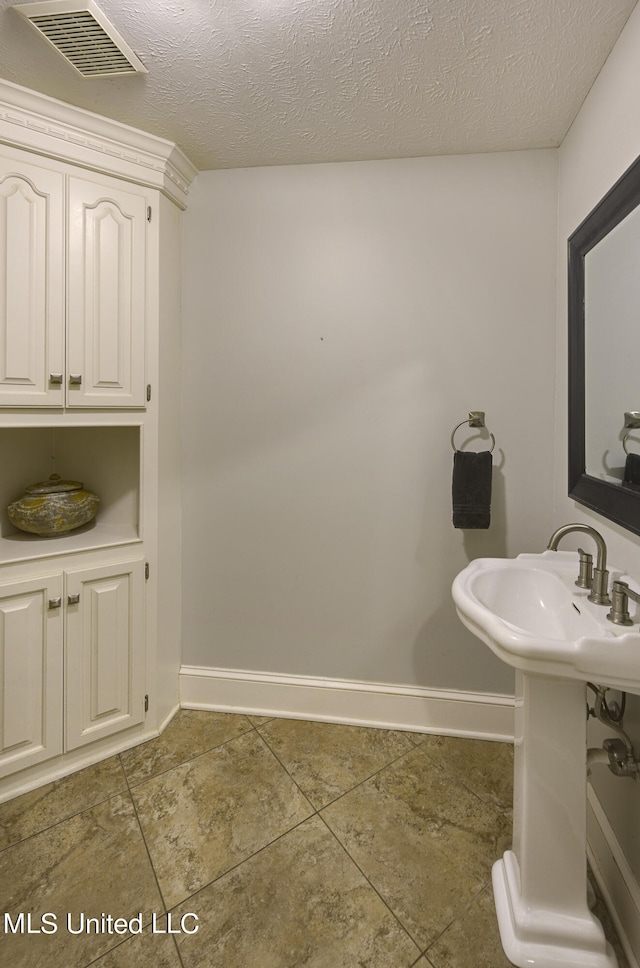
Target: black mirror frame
point(615, 502)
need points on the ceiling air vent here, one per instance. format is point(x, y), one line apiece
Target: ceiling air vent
point(79, 31)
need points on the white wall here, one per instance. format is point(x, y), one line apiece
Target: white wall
point(339, 320)
point(603, 141)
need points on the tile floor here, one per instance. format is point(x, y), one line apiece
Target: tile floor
point(293, 844)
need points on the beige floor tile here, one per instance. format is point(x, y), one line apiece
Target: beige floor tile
point(473, 940)
point(484, 767)
point(425, 828)
point(301, 901)
point(427, 844)
point(146, 950)
point(35, 811)
point(93, 864)
point(190, 732)
point(202, 818)
point(326, 759)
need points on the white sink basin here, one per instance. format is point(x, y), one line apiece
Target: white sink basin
point(530, 612)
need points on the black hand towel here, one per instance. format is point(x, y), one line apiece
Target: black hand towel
point(631, 477)
point(471, 489)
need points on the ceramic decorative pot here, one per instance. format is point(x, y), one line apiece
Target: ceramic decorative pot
point(53, 507)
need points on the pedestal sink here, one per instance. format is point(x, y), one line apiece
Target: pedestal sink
point(530, 613)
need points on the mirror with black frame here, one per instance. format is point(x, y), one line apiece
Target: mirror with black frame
point(604, 355)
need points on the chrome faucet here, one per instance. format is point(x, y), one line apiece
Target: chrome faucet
point(597, 581)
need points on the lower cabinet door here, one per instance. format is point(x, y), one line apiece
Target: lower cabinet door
point(30, 672)
point(104, 651)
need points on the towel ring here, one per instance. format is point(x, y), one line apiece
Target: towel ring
point(475, 419)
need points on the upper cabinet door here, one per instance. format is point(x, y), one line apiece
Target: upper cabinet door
point(106, 295)
point(31, 285)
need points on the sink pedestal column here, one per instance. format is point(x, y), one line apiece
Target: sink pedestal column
point(540, 886)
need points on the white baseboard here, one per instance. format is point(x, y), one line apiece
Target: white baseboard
point(615, 878)
point(448, 713)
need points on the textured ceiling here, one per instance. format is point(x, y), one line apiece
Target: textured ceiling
point(239, 83)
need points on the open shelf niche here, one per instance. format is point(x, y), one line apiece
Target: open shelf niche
point(106, 459)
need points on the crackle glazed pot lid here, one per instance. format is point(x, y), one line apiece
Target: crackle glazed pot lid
point(55, 485)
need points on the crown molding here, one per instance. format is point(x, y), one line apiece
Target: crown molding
point(50, 127)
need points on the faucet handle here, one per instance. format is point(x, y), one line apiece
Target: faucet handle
point(585, 577)
point(620, 594)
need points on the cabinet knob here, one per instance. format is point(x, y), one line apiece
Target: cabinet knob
point(75, 379)
point(55, 378)
point(55, 602)
point(73, 599)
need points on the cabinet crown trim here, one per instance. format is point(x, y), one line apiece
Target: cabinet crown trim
point(42, 124)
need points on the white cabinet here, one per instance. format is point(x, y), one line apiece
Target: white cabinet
point(104, 651)
point(106, 295)
point(32, 240)
point(88, 622)
point(90, 259)
point(30, 672)
point(73, 297)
